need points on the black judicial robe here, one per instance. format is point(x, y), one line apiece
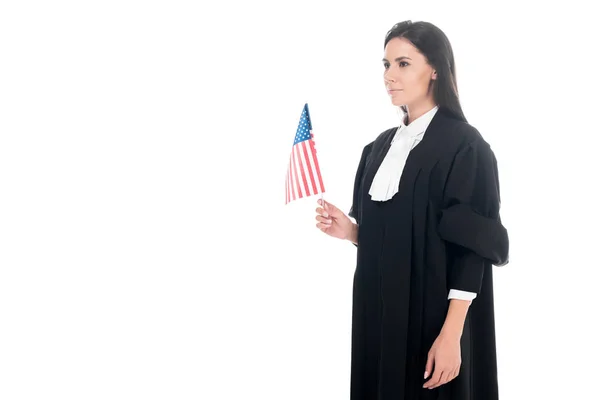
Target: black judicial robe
point(441, 231)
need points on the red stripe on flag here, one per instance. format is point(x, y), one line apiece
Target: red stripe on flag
point(296, 175)
point(314, 154)
point(309, 167)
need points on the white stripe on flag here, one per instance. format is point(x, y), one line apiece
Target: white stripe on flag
point(287, 188)
point(292, 186)
point(298, 166)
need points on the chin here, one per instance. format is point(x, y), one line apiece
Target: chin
point(398, 101)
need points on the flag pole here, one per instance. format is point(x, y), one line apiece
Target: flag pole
point(311, 122)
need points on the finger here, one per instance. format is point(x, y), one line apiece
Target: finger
point(322, 226)
point(329, 208)
point(323, 220)
point(429, 365)
point(450, 376)
point(443, 379)
point(322, 212)
point(455, 372)
point(444, 373)
point(435, 379)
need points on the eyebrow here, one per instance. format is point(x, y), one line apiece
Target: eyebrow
point(398, 59)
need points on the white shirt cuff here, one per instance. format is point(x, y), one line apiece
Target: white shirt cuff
point(461, 295)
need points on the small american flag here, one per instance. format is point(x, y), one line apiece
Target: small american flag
point(303, 176)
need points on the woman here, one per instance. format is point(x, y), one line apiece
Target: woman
point(426, 204)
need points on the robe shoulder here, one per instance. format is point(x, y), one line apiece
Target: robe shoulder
point(381, 139)
point(459, 135)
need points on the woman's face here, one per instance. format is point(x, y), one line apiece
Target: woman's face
point(407, 74)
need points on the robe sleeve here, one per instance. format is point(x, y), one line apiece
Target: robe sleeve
point(356, 209)
point(470, 218)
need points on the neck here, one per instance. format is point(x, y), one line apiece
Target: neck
point(415, 111)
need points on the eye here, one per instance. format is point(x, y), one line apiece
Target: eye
point(386, 65)
point(404, 64)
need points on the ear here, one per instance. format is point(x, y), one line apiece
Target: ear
point(434, 75)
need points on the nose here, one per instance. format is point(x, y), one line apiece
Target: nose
point(387, 76)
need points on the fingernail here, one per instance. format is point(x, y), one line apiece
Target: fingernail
point(425, 376)
point(325, 214)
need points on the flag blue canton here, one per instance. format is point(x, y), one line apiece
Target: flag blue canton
point(304, 126)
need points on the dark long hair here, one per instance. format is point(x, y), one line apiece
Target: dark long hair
point(435, 46)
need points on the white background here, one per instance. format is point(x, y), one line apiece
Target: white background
point(145, 249)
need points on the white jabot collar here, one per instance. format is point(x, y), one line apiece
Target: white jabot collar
point(387, 179)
